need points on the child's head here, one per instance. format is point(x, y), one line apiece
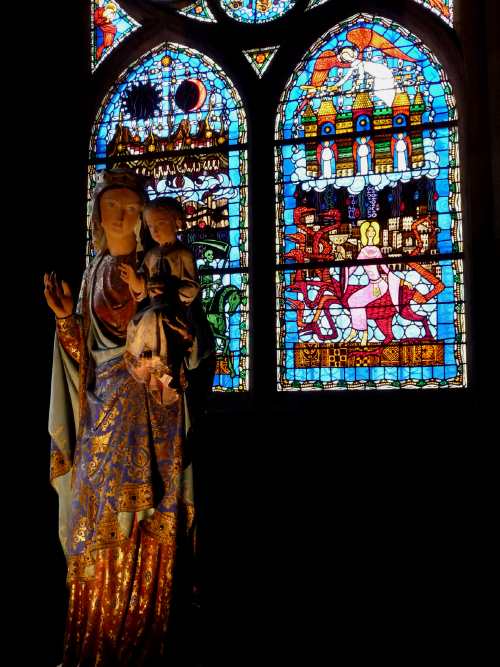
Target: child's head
point(164, 217)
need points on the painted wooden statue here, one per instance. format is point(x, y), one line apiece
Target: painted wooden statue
point(118, 459)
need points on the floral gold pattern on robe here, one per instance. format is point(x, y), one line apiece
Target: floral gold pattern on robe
point(125, 494)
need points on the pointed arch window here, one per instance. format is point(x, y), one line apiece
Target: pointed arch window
point(175, 117)
point(367, 190)
point(368, 213)
point(443, 8)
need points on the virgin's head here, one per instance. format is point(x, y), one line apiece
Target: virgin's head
point(370, 232)
point(119, 199)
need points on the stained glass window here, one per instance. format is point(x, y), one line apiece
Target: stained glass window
point(200, 11)
point(110, 25)
point(260, 59)
point(256, 11)
point(369, 240)
point(443, 8)
point(175, 117)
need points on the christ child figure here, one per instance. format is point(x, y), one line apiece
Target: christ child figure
point(160, 334)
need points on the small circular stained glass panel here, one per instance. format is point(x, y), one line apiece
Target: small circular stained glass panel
point(256, 11)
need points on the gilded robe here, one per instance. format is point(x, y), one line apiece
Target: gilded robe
point(125, 492)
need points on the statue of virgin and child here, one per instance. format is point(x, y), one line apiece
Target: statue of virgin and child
point(126, 356)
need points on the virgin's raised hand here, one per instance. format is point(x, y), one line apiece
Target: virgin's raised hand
point(58, 295)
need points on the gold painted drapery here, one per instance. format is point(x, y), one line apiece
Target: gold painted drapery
point(125, 490)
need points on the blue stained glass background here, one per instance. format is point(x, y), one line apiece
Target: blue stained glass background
point(256, 11)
